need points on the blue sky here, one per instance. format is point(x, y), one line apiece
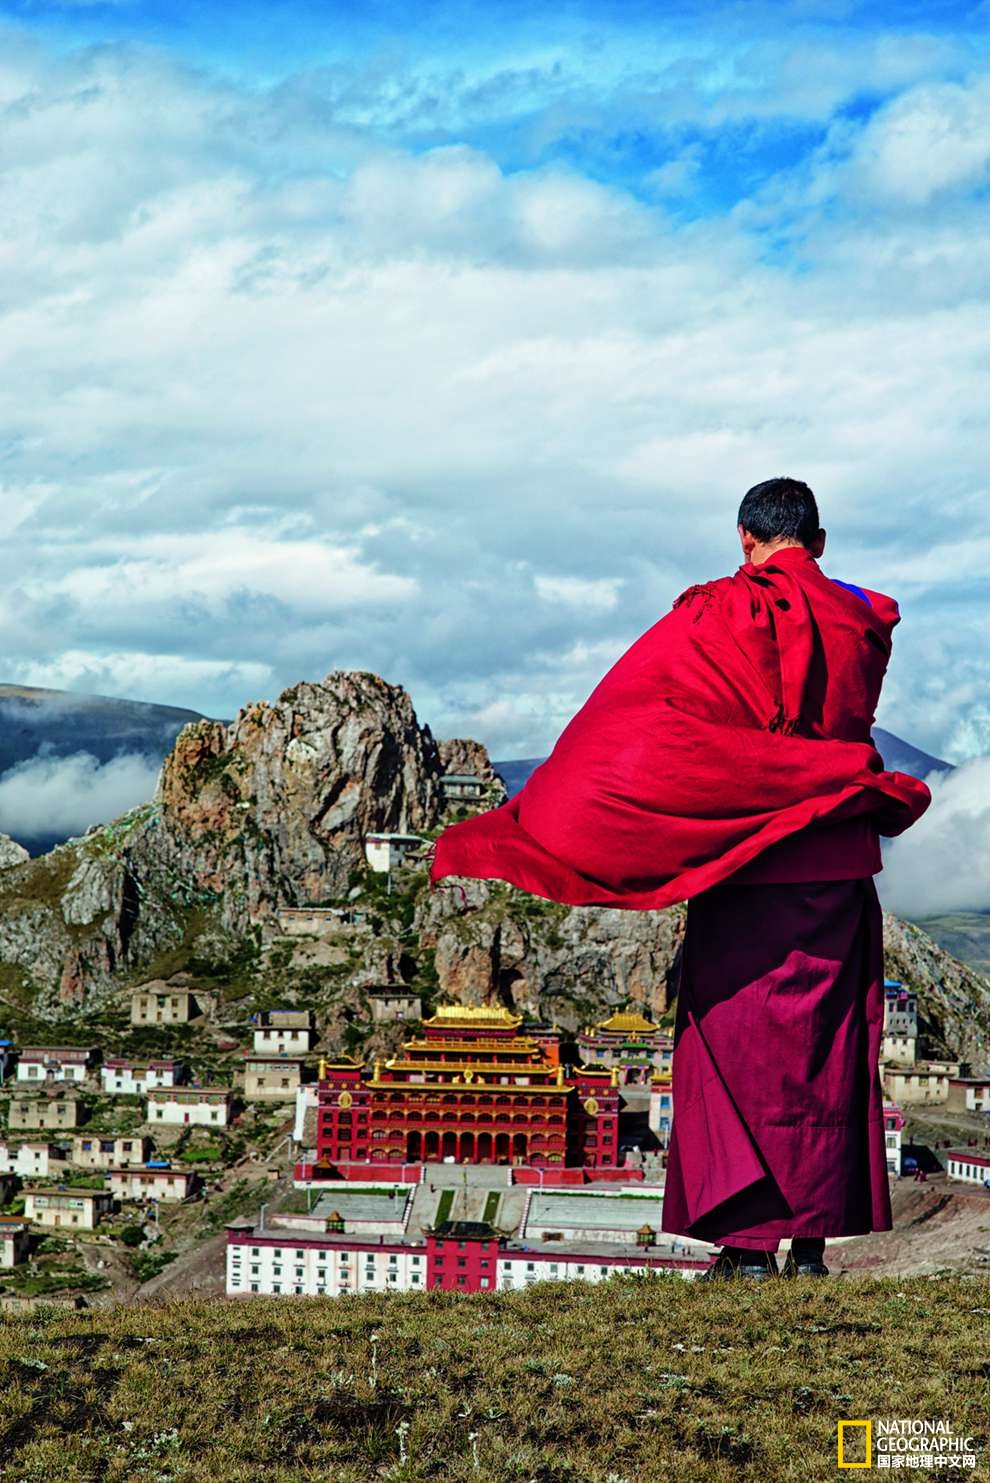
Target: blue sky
point(443, 340)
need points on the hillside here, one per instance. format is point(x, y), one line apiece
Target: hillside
point(271, 812)
point(634, 1381)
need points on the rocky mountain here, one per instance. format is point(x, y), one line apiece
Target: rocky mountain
point(270, 812)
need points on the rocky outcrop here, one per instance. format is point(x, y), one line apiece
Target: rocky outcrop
point(11, 853)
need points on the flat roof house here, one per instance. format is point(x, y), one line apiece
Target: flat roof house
point(968, 1094)
point(208, 1107)
point(394, 1002)
point(29, 1160)
point(120, 1077)
point(967, 1164)
point(161, 1004)
point(271, 1078)
point(109, 1153)
point(15, 1240)
point(48, 1063)
point(152, 1184)
point(45, 1112)
point(82, 1209)
point(386, 851)
point(283, 1030)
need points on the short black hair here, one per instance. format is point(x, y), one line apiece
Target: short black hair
point(780, 507)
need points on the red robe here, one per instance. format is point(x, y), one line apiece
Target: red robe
point(726, 759)
point(739, 719)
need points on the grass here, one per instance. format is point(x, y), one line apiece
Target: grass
point(637, 1381)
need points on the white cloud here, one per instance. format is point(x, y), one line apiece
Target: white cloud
point(65, 795)
point(283, 398)
point(593, 595)
point(942, 864)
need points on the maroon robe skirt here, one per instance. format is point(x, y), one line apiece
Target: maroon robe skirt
point(778, 1108)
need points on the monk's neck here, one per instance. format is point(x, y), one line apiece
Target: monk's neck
point(787, 549)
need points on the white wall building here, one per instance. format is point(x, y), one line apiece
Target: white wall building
point(40, 1064)
point(135, 1078)
point(968, 1165)
point(386, 851)
point(278, 1263)
point(284, 1031)
point(151, 1184)
point(29, 1160)
point(15, 1240)
point(207, 1107)
point(79, 1208)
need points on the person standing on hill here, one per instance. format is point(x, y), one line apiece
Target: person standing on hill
point(726, 760)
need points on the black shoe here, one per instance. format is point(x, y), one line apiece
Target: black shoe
point(797, 1268)
point(756, 1265)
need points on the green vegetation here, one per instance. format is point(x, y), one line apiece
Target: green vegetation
point(637, 1381)
point(491, 1206)
point(444, 1206)
point(148, 1264)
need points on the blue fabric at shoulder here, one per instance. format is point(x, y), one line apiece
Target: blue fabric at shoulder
point(851, 587)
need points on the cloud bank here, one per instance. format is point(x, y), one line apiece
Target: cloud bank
point(447, 352)
point(942, 864)
point(56, 797)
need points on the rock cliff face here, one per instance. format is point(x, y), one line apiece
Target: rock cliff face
point(272, 810)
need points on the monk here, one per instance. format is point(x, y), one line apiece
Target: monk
point(726, 760)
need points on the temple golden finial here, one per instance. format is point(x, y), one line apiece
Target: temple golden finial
point(560, 1075)
point(615, 1076)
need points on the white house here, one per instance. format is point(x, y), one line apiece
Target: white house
point(893, 1125)
point(968, 1094)
point(151, 1184)
point(200, 1106)
point(15, 1240)
point(29, 1160)
point(135, 1078)
point(45, 1063)
point(284, 1031)
point(661, 1113)
point(386, 851)
point(968, 1165)
point(277, 1263)
point(81, 1208)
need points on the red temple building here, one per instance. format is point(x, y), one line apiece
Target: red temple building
point(474, 1088)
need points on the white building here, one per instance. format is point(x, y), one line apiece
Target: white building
point(661, 1113)
point(15, 1240)
point(968, 1094)
point(29, 1160)
point(79, 1208)
point(207, 1107)
point(926, 1083)
point(136, 1078)
point(44, 1063)
point(968, 1165)
point(900, 1024)
point(284, 1031)
point(283, 1262)
point(386, 851)
point(152, 1184)
point(893, 1125)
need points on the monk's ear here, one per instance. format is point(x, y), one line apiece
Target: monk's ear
point(818, 544)
point(747, 541)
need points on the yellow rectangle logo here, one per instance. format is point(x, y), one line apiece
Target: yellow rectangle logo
point(868, 1438)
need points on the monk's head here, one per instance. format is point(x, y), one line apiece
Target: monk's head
point(776, 513)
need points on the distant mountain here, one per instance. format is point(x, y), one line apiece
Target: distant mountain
point(898, 756)
point(61, 723)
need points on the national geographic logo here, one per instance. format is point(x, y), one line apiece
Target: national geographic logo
point(928, 1446)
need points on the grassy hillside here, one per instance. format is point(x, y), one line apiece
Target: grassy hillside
point(634, 1382)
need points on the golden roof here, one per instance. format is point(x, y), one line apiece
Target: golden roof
point(626, 1020)
point(474, 1014)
